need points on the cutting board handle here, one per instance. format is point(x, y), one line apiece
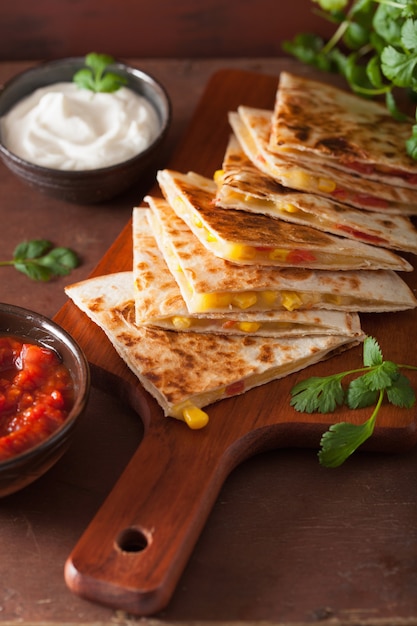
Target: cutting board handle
point(136, 547)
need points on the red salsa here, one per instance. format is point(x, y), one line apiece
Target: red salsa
point(36, 394)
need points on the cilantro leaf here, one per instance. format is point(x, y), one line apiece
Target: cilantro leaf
point(359, 395)
point(318, 394)
point(41, 261)
point(372, 354)
point(96, 77)
point(401, 393)
point(399, 67)
point(342, 439)
point(378, 378)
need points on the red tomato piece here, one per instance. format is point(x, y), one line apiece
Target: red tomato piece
point(235, 388)
point(36, 394)
point(300, 256)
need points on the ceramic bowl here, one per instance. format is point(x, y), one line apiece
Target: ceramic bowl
point(24, 468)
point(85, 186)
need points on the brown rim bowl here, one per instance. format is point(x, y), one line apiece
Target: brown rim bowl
point(24, 468)
point(86, 186)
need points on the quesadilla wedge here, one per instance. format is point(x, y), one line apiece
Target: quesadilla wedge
point(243, 186)
point(246, 238)
point(209, 283)
point(253, 129)
point(158, 301)
point(316, 121)
point(185, 372)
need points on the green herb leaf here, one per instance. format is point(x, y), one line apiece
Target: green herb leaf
point(401, 393)
point(96, 77)
point(377, 379)
point(318, 394)
point(341, 440)
point(41, 261)
point(359, 395)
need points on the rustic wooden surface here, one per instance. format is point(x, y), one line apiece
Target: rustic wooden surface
point(182, 29)
point(287, 542)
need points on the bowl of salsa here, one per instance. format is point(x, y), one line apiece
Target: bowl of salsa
point(44, 387)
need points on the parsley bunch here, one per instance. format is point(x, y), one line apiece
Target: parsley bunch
point(96, 76)
point(41, 261)
point(374, 46)
point(374, 381)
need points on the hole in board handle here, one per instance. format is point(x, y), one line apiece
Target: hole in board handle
point(132, 540)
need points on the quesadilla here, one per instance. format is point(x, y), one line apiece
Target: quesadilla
point(158, 301)
point(209, 283)
point(185, 372)
point(253, 129)
point(242, 185)
point(316, 121)
point(246, 238)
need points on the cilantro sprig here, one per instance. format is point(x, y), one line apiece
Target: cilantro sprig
point(41, 261)
point(96, 77)
point(369, 385)
point(374, 46)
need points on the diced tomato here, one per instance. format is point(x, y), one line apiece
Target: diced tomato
point(362, 168)
point(229, 324)
point(340, 194)
point(36, 395)
point(235, 388)
point(367, 200)
point(360, 235)
point(300, 256)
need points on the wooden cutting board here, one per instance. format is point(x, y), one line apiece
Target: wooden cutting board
point(132, 554)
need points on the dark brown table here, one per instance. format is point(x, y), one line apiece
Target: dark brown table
point(287, 542)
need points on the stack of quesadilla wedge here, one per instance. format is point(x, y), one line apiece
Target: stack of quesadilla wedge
point(307, 143)
point(187, 371)
point(244, 278)
point(242, 185)
point(325, 127)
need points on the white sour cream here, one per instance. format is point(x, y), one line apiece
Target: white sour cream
point(67, 128)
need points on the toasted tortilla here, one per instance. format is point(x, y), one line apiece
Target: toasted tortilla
point(158, 301)
point(242, 185)
point(316, 121)
point(209, 283)
point(246, 238)
point(253, 129)
point(187, 370)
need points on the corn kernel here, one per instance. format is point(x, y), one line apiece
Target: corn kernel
point(194, 417)
point(278, 255)
point(210, 236)
point(241, 252)
point(218, 176)
point(249, 327)
point(210, 301)
point(334, 298)
point(325, 184)
point(197, 220)
point(181, 323)
point(297, 179)
point(244, 300)
point(290, 300)
point(290, 208)
point(269, 298)
point(179, 205)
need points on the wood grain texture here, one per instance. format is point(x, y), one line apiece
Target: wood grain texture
point(161, 28)
point(136, 547)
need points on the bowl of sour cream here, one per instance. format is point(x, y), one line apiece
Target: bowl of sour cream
point(79, 145)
